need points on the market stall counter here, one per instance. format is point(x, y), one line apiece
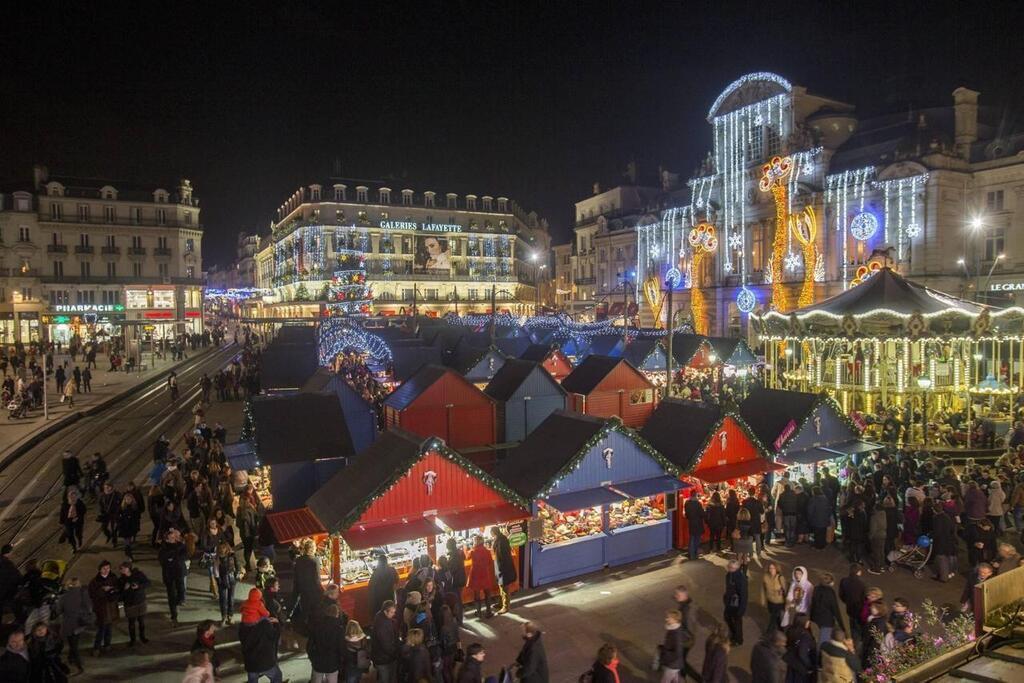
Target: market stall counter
point(601, 495)
point(711, 447)
point(404, 497)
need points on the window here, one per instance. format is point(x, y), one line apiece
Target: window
point(26, 293)
point(23, 235)
point(188, 218)
point(473, 294)
point(109, 214)
point(431, 294)
point(994, 200)
point(339, 193)
point(161, 242)
point(22, 204)
point(111, 241)
point(56, 238)
point(59, 297)
point(111, 270)
point(137, 269)
point(755, 146)
point(618, 253)
point(190, 245)
point(407, 294)
point(428, 199)
point(161, 216)
point(361, 194)
point(86, 268)
point(385, 195)
point(83, 239)
point(774, 141)
point(162, 268)
point(314, 193)
point(407, 197)
point(111, 297)
point(58, 270)
point(339, 216)
point(994, 243)
point(55, 211)
point(639, 396)
point(83, 212)
point(136, 213)
point(136, 242)
point(190, 272)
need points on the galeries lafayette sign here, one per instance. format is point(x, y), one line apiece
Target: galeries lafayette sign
point(422, 227)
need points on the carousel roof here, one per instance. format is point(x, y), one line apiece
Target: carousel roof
point(889, 292)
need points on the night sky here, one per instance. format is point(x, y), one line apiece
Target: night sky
point(534, 101)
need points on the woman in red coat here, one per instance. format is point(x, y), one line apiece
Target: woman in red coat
point(481, 574)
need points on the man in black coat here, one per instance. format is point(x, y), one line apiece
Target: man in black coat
point(506, 565)
point(532, 662)
point(766, 665)
point(172, 558)
point(735, 600)
point(385, 646)
point(259, 649)
point(14, 664)
point(789, 506)
point(694, 512)
point(943, 544)
point(825, 608)
point(853, 592)
point(753, 505)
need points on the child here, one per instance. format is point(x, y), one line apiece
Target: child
point(204, 642)
point(900, 613)
point(264, 573)
point(253, 609)
point(199, 668)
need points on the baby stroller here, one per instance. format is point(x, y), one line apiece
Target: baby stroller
point(914, 557)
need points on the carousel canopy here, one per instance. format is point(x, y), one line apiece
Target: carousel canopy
point(886, 290)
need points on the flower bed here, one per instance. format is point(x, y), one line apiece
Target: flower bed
point(936, 635)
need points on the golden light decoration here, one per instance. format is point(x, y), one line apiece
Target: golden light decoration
point(772, 176)
point(805, 229)
point(655, 298)
point(704, 241)
point(864, 272)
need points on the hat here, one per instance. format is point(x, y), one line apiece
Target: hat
point(413, 598)
point(474, 649)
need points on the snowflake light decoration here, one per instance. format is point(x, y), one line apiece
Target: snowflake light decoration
point(819, 268)
point(735, 240)
point(913, 230)
point(792, 260)
point(759, 120)
point(745, 300)
point(727, 267)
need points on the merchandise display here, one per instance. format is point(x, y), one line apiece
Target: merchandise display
point(638, 511)
point(560, 527)
point(260, 479)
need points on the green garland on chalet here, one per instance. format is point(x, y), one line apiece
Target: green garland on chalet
point(823, 399)
point(435, 444)
point(248, 432)
point(764, 452)
point(612, 424)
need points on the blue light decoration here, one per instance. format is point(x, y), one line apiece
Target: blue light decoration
point(673, 277)
point(235, 293)
point(864, 226)
point(338, 335)
point(745, 300)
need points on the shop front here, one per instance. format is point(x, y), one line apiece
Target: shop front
point(164, 311)
point(805, 431)
point(601, 496)
point(88, 322)
point(7, 327)
point(402, 498)
point(715, 450)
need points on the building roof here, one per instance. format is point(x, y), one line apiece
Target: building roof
point(465, 356)
point(299, 428)
point(295, 334)
point(768, 411)
point(360, 416)
point(413, 388)
point(535, 352)
point(640, 349)
point(732, 350)
point(407, 360)
point(513, 346)
point(685, 346)
point(681, 429)
point(342, 500)
point(585, 377)
point(287, 366)
point(511, 376)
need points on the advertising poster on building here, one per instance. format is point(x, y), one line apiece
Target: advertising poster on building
point(432, 256)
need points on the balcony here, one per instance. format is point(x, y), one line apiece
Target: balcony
point(18, 272)
point(586, 280)
point(136, 251)
point(56, 248)
point(119, 280)
point(164, 252)
point(84, 249)
point(110, 251)
point(101, 220)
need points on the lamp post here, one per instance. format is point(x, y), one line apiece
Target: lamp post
point(789, 360)
point(988, 279)
point(977, 224)
point(924, 383)
point(670, 284)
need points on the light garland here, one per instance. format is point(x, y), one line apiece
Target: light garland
point(805, 229)
point(338, 334)
point(904, 192)
point(772, 176)
point(704, 242)
point(842, 190)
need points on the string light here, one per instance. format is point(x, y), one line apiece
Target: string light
point(841, 188)
point(704, 242)
point(772, 176)
point(336, 335)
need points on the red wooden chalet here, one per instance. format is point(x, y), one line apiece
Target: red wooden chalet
point(438, 401)
point(603, 386)
point(554, 361)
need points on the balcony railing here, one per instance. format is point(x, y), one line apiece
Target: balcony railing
point(100, 220)
point(119, 280)
point(137, 251)
point(162, 251)
point(84, 249)
point(111, 250)
point(57, 248)
point(586, 280)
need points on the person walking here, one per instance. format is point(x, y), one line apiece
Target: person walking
point(383, 582)
point(853, 593)
point(801, 652)
point(481, 576)
point(789, 506)
point(766, 664)
point(259, 640)
point(606, 667)
point(68, 394)
point(205, 384)
point(505, 564)
point(129, 521)
point(225, 574)
point(324, 647)
point(87, 380)
point(838, 660)
point(75, 611)
point(103, 592)
point(172, 386)
point(714, 516)
point(132, 585)
point(72, 518)
point(471, 669)
point(878, 526)
point(306, 582)
point(671, 652)
point(354, 656)
point(76, 377)
point(735, 600)
point(532, 662)
point(109, 505)
point(825, 608)
point(247, 521)
point(71, 468)
point(172, 556)
point(385, 646)
point(774, 595)
point(60, 378)
point(716, 656)
point(944, 544)
point(819, 516)
point(694, 513)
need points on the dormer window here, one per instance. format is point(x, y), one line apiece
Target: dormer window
point(339, 193)
point(428, 198)
point(488, 201)
point(314, 193)
point(160, 196)
point(385, 195)
point(22, 201)
point(55, 189)
point(406, 197)
point(361, 191)
point(108, 192)
point(471, 202)
point(502, 205)
point(453, 200)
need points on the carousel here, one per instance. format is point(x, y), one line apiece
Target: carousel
point(891, 347)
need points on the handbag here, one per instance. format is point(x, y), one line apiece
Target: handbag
point(363, 660)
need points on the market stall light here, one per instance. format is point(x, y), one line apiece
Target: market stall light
point(924, 383)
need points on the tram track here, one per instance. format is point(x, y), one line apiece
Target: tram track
point(36, 477)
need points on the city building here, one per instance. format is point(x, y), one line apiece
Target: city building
point(240, 273)
point(934, 192)
point(420, 251)
point(94, 258)
point(564, 279)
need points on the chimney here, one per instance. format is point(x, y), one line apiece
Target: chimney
point(40, 174)
point(597, 188)
point(965, 109)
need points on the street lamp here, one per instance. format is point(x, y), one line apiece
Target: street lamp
point(995, 262)
point(670, 284)
point(924, 383)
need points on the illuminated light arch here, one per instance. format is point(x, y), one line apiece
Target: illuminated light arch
point(759, 76)
point(337, 334)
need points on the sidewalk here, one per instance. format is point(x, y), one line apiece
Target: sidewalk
point(106, 386)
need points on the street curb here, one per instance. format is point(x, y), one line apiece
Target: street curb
point(72, 418)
